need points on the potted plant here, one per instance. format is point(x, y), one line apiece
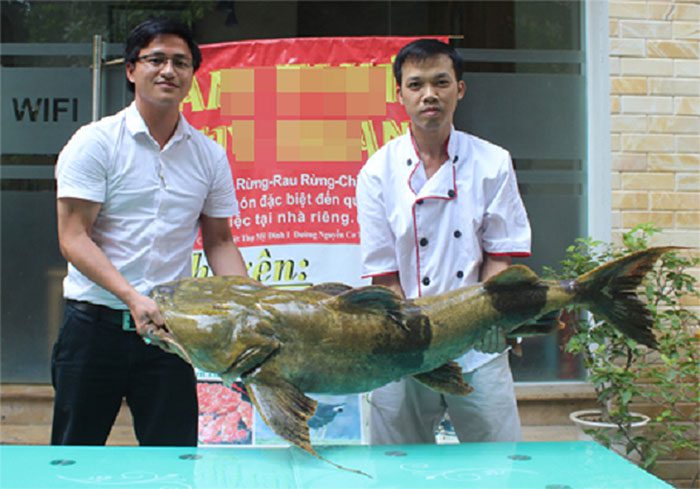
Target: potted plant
point(624, 373)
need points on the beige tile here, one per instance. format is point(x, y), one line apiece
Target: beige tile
point(647, 29)
point(627, 47)
point(647, 142)
point(630, 200)
point(686, 11)
point(674, 124)
point(673, 86)
point(633, 218)
point(614, 63)
point(660, 10)
point(688, 181)
point(627, 10)
point(681, 201)
point(669, 237)
point(615, 142)
point(642, 104)
point(629, 162)
point(629, 123)
point(647, 181)
point(672, 49)
point(650, 67)
point(688, 144)
point(614, 27)
point(628, 85)
point(688, 220)
point(674, 162)
point(689, 106)
point(615, 104)
point(686, 68)
point(686, 30)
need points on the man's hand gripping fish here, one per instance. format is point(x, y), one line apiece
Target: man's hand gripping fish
point(333, 339)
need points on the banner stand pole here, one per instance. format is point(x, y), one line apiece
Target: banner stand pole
point(96, 75)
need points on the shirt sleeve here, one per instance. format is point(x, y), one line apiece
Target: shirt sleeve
point(506, 228)
point(221, 201)
point(81, 170)
point(377, 241)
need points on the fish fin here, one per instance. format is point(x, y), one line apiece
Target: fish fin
point(261, 349)
point(447, 379)
point(492, 340)
point(373, 298)
point(543, 325)
point(287, 410)
point(330, 288)
point(610, 293)
point(514, 275)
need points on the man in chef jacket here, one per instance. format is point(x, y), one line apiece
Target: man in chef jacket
point(439, 209)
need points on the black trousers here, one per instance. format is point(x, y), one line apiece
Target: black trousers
point(96, 363)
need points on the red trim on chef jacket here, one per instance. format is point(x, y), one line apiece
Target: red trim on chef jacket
point(410, 177)
point(380, 274)
point(416, 247)
point(413, 208)
point(511, 253)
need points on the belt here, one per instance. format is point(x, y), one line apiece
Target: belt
point(120, 316)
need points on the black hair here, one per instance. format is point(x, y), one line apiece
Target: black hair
point(141, 35)
point(423, 49)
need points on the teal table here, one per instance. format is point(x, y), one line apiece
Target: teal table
point(555, 465)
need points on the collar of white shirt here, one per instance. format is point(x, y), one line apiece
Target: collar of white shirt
point(136, 125)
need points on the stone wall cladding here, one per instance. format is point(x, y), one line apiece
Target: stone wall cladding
point(655, 121)
point(655, 90)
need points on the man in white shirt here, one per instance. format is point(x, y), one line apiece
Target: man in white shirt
point(133, 191)
point(439, 209)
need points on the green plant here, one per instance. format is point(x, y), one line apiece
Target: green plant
point(625, 373)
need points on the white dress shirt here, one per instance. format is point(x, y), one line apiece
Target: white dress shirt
point(434, 231)
point(151, 198)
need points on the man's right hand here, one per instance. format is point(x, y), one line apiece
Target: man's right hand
point(145, 312)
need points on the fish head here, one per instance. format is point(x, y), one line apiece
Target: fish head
point(206, 320)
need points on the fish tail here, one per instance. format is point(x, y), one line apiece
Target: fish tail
point(609, 292)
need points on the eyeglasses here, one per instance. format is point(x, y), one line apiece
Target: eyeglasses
point(158, 61)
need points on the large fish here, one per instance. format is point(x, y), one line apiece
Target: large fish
point(333, 339)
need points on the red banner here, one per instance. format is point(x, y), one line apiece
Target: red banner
point(298, 118)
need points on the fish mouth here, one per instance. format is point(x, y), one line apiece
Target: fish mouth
point(162, 338)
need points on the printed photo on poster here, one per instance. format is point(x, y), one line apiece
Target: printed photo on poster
point(225, 414)
point(337, 421)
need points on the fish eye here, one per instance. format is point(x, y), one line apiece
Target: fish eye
point(165, 291)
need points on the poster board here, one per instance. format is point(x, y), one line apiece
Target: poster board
point(298, 118)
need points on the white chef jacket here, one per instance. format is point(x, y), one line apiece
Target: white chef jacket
point(434, 231)
point(151, 198)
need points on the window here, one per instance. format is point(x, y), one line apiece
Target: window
point(526, 91)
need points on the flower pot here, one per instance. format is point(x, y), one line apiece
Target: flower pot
point(589, 420)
